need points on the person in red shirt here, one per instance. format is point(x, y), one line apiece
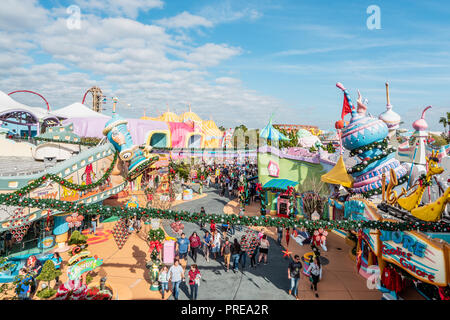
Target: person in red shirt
point(195, 242)
point(194, 281)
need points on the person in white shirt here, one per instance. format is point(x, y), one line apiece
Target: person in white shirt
point(176, 275)
point(315, 270)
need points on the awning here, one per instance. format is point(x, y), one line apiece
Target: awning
point(338, 175)
point(280, 184)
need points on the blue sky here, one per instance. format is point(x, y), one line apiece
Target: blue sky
point(234, 61)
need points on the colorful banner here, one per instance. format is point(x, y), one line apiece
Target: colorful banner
point(421, 257)
point(83, 266)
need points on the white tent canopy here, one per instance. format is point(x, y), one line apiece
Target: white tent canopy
point(8, 104)
point(78, 110)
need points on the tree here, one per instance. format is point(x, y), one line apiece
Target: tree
point(77, 238)
point(446, 122)
point(222, 128)
point(48, 273)
point(242, 126)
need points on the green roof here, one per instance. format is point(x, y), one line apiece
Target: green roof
point(280, 184)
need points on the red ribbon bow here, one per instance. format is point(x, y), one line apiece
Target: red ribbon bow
point(155, 244)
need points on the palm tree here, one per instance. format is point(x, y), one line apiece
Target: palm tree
point(446, 122)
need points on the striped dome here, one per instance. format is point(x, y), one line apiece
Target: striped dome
point(210, 128)
point(190, 116)
point(169, 116)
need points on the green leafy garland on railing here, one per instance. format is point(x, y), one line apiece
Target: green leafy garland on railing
point(140, 168)
point(156, 235)
point(13, 199)
point(65, 183)
point(365, 163)
point(377, 144)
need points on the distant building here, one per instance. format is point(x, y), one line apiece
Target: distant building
point(290, 127)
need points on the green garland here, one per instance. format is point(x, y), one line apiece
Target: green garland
point(138, 170)
point(156, 235)
point(13, 199)
point(377, 144)
point(423, 180)
point(362, 166)
point(65, 183)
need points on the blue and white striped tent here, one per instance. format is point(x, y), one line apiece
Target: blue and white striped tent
point(270, 133)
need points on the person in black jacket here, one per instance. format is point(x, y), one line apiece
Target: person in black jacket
point(235, 253)
point(294, 270)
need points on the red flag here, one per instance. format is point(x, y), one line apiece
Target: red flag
point(346, 109)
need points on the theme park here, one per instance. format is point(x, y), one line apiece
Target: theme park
point(102, 198)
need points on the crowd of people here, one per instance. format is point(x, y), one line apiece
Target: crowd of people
point(213, 245)
point(226, 178)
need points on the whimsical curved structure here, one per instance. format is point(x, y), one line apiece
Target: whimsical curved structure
point(366, 136)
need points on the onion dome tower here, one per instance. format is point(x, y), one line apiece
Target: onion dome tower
point(366, 138)
point(390, 117)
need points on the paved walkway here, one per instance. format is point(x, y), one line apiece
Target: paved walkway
point(269, 282)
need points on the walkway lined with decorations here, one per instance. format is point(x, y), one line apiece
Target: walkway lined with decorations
point(127, 275)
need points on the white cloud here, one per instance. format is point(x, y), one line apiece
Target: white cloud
point(212, 54)
point(21, 15)
point(144, 65)
point(127, 8)
point(185, 20)
point(226, 11)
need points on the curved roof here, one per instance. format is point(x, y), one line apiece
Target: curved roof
point(210, 128)
point(190, 116)
point(78, 110)
point(8, 104)
point(149, 118)
point(270, 133)
point(169, 116)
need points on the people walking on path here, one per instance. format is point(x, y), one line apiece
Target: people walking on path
point(183, 246)
point(202, 212)
point(194, 281)
point(207, 242)
point(195, 244)
point(226, 253)
point(315, 270)
point(176, 275)
point(280, 235)
point(235, 255)
point(294, 275)
point(263, 249)
point(244, 249)
point(215, 246)
point(164, 280)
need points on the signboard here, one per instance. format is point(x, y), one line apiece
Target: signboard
point(47, 242)
point(83, 266)
point(417, 255)
point(371, 238)
point(274, 169)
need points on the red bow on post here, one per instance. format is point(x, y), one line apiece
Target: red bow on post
point(155, 244)
point(258, 187)
point(241, 189)
point(290, 191)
